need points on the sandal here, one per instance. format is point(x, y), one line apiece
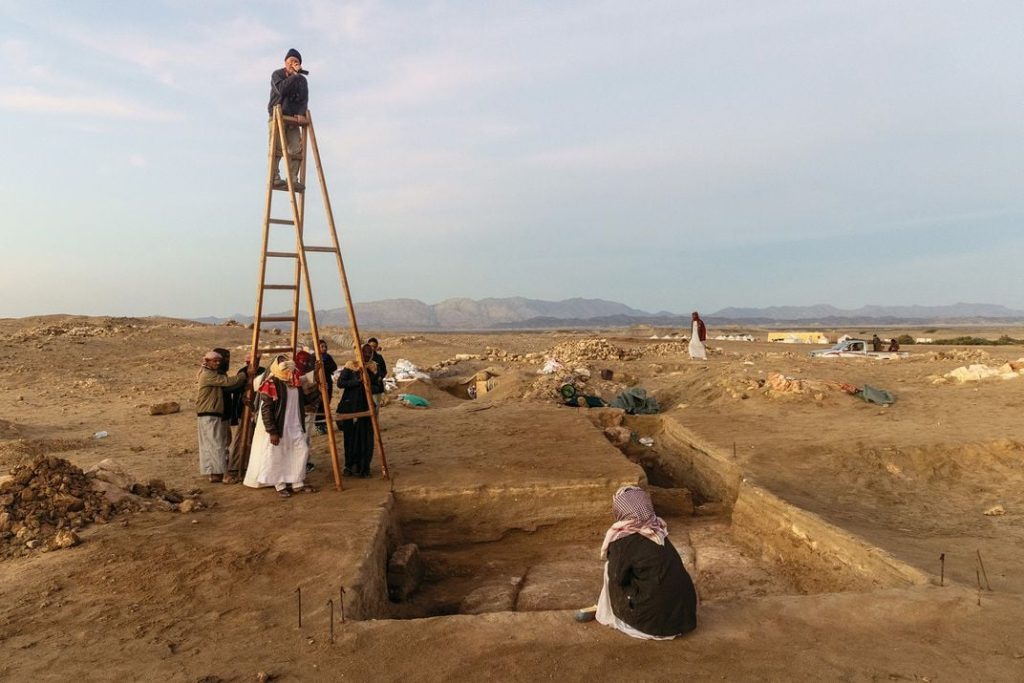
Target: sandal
point(306, 489)
point(216, 478)
point(228, 479)
point(284, 493)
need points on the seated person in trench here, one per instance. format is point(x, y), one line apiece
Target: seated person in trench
point(647, 592)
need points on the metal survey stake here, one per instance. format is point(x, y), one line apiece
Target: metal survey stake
point(983, 572)
point(978, 577)
point(298, 592)
point(341, 601)
point(942, 569)
point(330, 603)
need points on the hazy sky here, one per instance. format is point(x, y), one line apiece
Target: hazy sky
point(669, 155)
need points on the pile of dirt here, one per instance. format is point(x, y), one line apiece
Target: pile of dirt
point(45, 502)
point(548, 387)
point(582, 350)
point(778, 385)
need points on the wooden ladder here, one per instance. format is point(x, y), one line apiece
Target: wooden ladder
point(302, 282)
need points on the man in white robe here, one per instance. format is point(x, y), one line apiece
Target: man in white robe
point(280, 449)
point(698, 335)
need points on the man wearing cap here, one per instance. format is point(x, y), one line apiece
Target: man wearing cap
point(288, 88)
point(214, 433)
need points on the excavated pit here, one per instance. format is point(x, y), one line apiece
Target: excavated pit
point(531, 549)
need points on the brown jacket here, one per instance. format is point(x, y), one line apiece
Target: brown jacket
point(210, 400)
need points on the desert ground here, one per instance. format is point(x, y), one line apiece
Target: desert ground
point(812, 522)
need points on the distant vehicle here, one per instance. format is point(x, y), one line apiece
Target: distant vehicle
point(857, 348)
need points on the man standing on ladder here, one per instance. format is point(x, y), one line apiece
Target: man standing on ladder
point(289, 89)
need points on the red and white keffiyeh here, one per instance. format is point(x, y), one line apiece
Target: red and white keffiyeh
point(635, 514)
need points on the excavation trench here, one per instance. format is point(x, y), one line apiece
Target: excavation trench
point(496, 549)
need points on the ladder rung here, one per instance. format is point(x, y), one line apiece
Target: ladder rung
point(281, 221)
point(278, 286)
point(352, 416)
point(276, 349)
point(277, 319)
point(283, 254)
point(327, 250)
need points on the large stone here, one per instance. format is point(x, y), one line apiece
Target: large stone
point(166, 408)
point(674, 502)
point(65, 538)
point(110, 470)
point(493, 597)
point(564, 584)
point(113, 493)
point(405, 571)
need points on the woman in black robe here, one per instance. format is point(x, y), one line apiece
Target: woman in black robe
point(358, 432)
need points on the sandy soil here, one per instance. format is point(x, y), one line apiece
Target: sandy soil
point(512, 484)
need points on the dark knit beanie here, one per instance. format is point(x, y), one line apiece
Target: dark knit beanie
point(294, 53)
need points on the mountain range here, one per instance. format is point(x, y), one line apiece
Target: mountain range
point(522, 313)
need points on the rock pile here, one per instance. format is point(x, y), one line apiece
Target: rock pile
point(591, 349)
point(43, 503)
point(960, 355)
point(668, 348)
point(979, 372)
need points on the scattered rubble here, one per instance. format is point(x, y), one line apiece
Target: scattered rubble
point(43, 503)
point(489, 354)
point(592, 349)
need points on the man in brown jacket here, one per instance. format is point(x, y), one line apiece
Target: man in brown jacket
point(214, 434)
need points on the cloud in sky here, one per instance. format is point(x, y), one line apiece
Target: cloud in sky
point(28, 99)
point(667, 149)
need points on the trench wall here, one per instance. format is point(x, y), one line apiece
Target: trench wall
point(366, 595)
point(434, 517)
point(819, 556)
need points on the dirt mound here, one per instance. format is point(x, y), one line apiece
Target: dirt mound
point(16, 451)
point(436, 394)
point(582, 350)
point(43, 503)
point(778, 385)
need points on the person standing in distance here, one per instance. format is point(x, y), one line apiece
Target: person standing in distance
point(288, 88)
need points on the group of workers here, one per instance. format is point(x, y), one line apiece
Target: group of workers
point(646, 593)
point(285, 406)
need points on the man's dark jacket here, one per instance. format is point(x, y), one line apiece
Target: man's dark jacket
point(649, 587)
point(291, 92)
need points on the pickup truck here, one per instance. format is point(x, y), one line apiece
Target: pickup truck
point(857, 348)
